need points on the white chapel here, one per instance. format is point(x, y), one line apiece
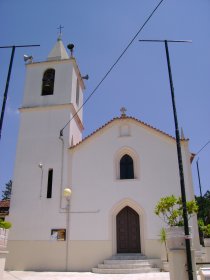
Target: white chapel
point(116, 176)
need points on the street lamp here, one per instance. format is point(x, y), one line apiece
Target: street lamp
point(67, 194)
point(40, 165)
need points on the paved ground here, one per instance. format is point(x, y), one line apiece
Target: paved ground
point(31, 275)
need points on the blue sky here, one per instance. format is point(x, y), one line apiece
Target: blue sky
point(100, 30)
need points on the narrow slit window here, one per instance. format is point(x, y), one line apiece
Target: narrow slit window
point(49, 183)
point(126, 167)
point(77, 93)
point(48, 82)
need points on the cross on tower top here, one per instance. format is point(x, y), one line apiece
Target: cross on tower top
point(123, 110)
point(60, 30)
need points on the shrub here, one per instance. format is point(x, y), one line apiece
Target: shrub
point(170, 210)
point(5, 224)
point(205, 229)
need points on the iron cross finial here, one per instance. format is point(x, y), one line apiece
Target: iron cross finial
point(123, 110)
point(60, 30)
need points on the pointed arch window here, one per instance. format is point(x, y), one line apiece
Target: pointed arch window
point(126, 167)
point(48, 82)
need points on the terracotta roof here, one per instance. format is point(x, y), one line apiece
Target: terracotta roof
point(4, 203)
point(123, 118)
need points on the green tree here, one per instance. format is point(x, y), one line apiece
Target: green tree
point(203, 215)
point(6, 193)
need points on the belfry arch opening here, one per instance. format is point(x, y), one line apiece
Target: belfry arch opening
point(48, 82)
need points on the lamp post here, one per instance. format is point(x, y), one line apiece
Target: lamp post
point(8, 79)
point(179, 155)
point(40, 165)
point(67, 195)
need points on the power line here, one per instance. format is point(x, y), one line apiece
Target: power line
point(111, 68)
point(202, 148)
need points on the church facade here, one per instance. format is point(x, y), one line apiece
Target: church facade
point(116, 176)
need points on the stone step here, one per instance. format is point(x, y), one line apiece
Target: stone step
point(146, 261)
point(126, 256)
point(124, 270)
point(125, 265)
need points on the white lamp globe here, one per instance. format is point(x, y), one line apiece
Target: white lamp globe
point(67, 192)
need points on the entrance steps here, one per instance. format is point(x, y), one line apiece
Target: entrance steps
point(127, 264)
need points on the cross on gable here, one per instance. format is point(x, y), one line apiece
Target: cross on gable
point(123, 111)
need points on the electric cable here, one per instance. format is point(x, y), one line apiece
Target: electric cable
point(202, 148)
point(111, 68)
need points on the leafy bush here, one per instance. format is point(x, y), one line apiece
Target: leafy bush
point(5, 224)
point(170, 210)
point(204, 228)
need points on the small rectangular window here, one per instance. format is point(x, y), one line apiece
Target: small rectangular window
point(49, 183)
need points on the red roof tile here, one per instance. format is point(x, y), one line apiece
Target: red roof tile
point(4, 203)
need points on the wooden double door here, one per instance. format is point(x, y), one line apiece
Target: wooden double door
point(128, 231)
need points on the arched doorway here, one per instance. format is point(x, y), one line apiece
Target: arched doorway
point(128, 231)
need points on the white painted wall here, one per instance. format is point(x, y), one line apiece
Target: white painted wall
point(90, 170)
point(95, 185)
point(42, 117)
point(32, 214)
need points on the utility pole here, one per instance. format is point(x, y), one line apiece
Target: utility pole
point(199, 179)
point(198, 170)
point(179, 154)
point(8, 79)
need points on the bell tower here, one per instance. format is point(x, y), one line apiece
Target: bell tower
point(52, 95)
point(55, 85)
